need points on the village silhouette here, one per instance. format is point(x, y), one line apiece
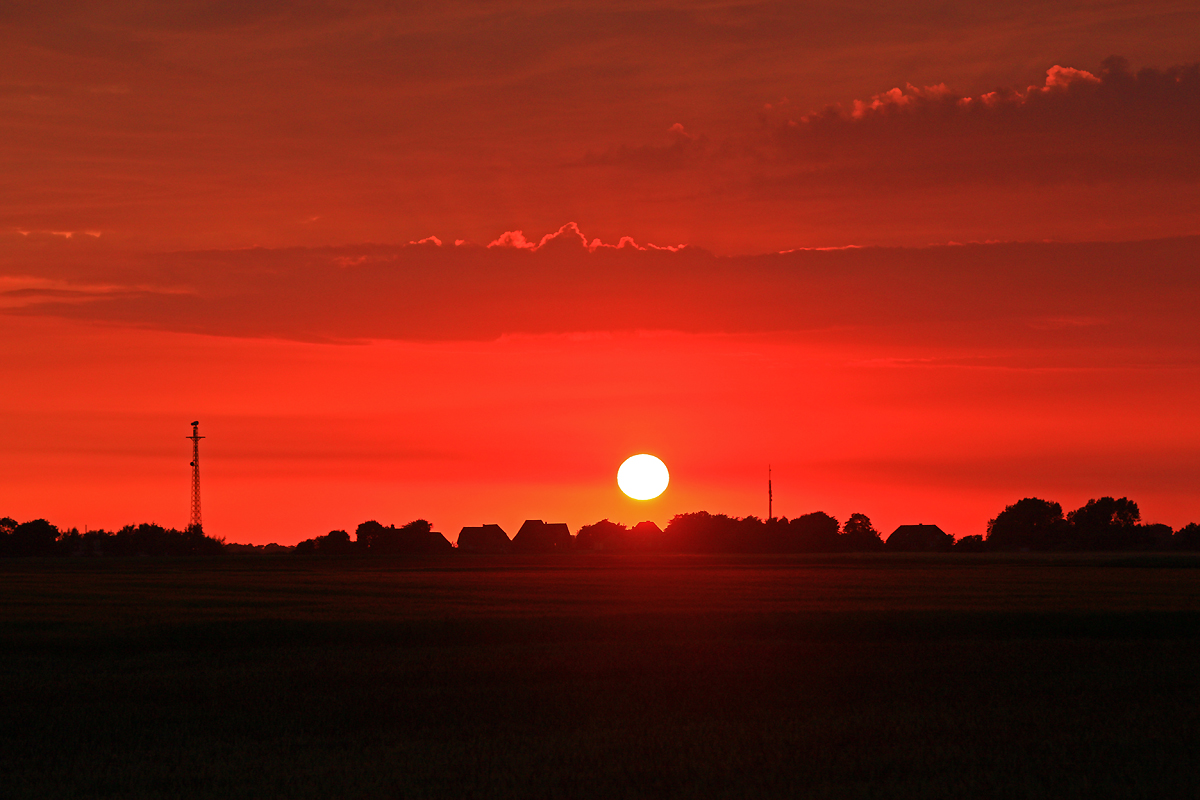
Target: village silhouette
point(1029, 525)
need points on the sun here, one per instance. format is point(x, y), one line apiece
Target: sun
point(643, 477)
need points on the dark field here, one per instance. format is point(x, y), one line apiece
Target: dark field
point(675, 676)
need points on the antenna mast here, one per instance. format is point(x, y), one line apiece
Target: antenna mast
point(770, 496)
point(195, 437)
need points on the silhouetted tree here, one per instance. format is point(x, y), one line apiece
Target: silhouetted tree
point(809, 533)
point(1187, 537)
point(70, 543)
point(1029, 524)
point(1109, 524)
point(331, 544)
point(196, 543)
point(701, 532)
point(336, 543)
point(40, 538)
point(698, 532)
point(1159, 536)
point(34, 538)
point(7, 526)
point(417, 536)
point(602, 535)
point(95, 543)
point(970, 544)
point(150, 539)
point(368, 533)
point(859, 535)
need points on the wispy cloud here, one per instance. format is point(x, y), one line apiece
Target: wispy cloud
point(62, 234)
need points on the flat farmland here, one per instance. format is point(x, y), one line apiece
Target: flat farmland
point(613, 676)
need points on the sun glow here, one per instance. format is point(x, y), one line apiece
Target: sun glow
point(643, 477)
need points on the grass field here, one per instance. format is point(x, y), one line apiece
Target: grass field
point(601, 676)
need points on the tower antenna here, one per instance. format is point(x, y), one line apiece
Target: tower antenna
point(770, 496)
point(195, 437)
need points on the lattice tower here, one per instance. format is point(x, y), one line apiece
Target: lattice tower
point(195, 437)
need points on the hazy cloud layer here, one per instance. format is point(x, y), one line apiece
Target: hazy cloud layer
point(1136, 294)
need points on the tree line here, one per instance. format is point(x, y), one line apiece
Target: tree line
point(1106, 523)
point(1030, 524)
point(40, 538)
point(373, 538)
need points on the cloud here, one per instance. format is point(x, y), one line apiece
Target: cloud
point(897, 100)
point(1062, 77)
point(913, 99)
point(569, 236)
point(1074, 127)
point(1172, 90)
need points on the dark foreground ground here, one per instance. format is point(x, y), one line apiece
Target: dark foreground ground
point(577, 676)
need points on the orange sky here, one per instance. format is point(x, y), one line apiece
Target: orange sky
point(241, 183)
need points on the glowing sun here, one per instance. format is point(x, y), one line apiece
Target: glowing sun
point(643, 477)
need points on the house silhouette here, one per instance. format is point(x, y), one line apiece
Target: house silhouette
point(483, 539)
point(919, 538)
point(536, 536)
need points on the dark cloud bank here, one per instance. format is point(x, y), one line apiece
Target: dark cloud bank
point(1115, 124)
point(1125, 294)
point(1078, 126)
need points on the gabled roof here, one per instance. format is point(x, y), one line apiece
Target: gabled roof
point(918, 538)
point(537, 536)
point(920, 528)
point(483, 539)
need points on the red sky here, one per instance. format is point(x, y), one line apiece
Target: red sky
point(207, 209)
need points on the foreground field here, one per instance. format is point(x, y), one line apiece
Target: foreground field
point(875, 676)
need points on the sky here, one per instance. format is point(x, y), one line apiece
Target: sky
point(457, 261)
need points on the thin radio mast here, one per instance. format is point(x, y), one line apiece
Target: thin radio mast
point(195, 437)
point(770, 496)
